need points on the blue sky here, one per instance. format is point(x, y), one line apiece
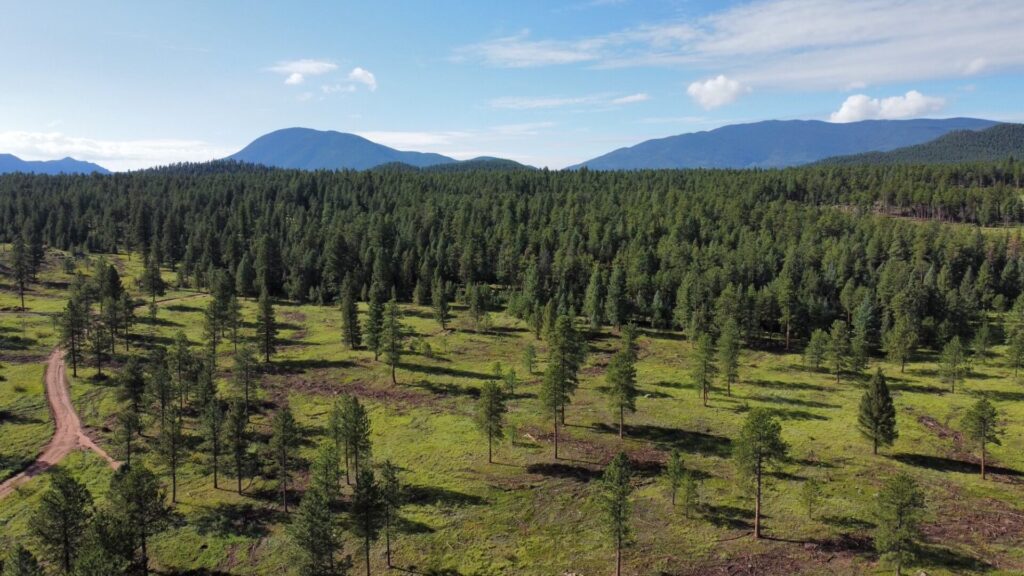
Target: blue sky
point(130, 84)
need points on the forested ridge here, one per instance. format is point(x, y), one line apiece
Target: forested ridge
point(671, 241)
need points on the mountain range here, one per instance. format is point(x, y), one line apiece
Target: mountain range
point(989, 145)
point(778, 143)
point(10, 164)
point(768, 144)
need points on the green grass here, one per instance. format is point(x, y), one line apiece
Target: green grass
point(529, 515)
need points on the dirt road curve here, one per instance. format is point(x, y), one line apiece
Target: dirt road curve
point(68, 434)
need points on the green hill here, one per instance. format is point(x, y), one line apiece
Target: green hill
point(990, 145)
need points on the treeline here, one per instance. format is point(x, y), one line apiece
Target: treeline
point(665, 248)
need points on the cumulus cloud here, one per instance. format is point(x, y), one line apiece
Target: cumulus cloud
point(117, 155)
point(363, 76)
point(296, 71)
point(715, 92)
point(862, 107)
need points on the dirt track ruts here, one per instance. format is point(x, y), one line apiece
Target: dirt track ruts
point(68, 434)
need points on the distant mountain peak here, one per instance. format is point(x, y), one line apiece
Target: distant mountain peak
point(778, 143)
point(9, 163)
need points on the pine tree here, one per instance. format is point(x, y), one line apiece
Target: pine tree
point(898, 518)
point(367, 510)
point(817, 347)
point(60, 520)
point(350, 333)
point(982, 342)
point(171, 447)
point(392, 336)
point(703, 372)
point(392, 493)
point(73, 323)
point(560, 377)
point(614, 491)
point(490, 414)
point(810, 495)
point(244, 376)
point(1015, 351)
point(21, 562)
point(152, 280)
point(375, 322)
point(981, 424)
point(136, 495)
point(876, 418)
point(245, 276)
point(953, 363)
point(758, 446)
point(439, 301)
point(266, 326)
point(615, 301)
point(21, 266)
point(213, 435)
point(621, 380)
point(284, 442)
point(899, 342)
point(593, 301)
point(863, 327)
point(357, 434)
point(838, 348)
point(729, 354)
point(316, 534)
point(674, 472)
point(529, 358)
point(238, 439)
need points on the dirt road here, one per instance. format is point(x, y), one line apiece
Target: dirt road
point(68, 434)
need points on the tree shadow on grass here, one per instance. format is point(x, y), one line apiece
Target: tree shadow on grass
point(902, 385)
point(434, 495)
point(446, 389)
point(673, 385)
point(8, 417)
point(943, 464)
point(444, 371)
point(301, 365)
point(954, 560)
point(564, 471)
point(183, 308)
point(10, 342)
point(230, 519)
point(793, 414)
point(685, 440)
point(847, 522)
point(1004, 395)
point(780, 385)
point(731, 517)
point(791, 401)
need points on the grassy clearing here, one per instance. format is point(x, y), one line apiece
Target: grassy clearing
point(528, 514)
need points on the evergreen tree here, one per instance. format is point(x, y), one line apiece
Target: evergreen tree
point(60, 520)
point(21, 562)
point(266, 326)
point(981, 424)
point(490, 414)
point(810, 495)
point(284, 442)
point(152, 281)
point(392, 493)
point(171, 447)
point(244, 376)
point(245, 277)
point(136, 495)
point(860, 341)
point(439, 301)
point(530, 358)
point(367, 510)
point(900, 341)
point(21, 266)
point(357, 434)
point(898, 518)
point(838, 348)
point(238, 439)
point(674, 472)
point(614, 491)
point(729, 354)
point(99, 343)
point(1015, 351)
point(128, 426)
point(621, 380)
point(233, 321)
point(953, 363)
point(615, 301)
point(758, 446)
point(213, 435)
point(392, 336)
point(689, 492)
point(703, 372)
point(317, 536)
point(73, 323)
point(375, 322)
point(350, 333)
point(593, 301)
point(982, 342)
point(876, 418)
point(816, 348)
point(560, 378)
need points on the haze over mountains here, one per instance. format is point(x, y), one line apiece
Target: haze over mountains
point(767, 144)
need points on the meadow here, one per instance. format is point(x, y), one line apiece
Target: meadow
point(528, 513)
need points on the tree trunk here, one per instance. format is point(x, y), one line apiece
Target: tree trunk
point(621, 417)
point(367, 548)
point(618, 556)
point(215, 470)
point(556, 436)
point(874, 442)
point(757, 503)
point(982, 459)
point(387, 537)
point(393, 379)
point(489, 452)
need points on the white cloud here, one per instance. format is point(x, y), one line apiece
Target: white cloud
point(363, 76)
point(117, 155)
point(536, 102)
point(296, 71)
point(912, 104)
point(335, 88)
point(715, 92)
point(631, 99)
point(816, 44)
